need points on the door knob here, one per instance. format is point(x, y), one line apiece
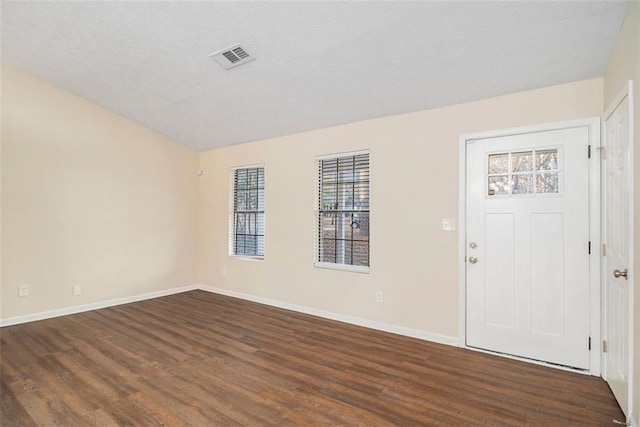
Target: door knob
point(617, 273)
point(473, 260)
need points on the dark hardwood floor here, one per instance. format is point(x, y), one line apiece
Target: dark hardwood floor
point(203, 359)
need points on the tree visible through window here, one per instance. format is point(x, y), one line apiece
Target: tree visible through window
point(523, 173)
point(343, 214)
point(248, 212)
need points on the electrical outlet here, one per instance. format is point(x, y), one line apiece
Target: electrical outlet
point(379, 296)
point(77, 290)
point(23, 291)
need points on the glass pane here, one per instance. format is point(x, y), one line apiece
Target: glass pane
point(547, 160)
point(244, 245)
point(357, 253)
point(547, 183)
point(252, 178)
point(329, 171)
point(522, 184)
point(241, 178)
point(251, 245)
point(328, 251)
point(360, 226)
point(522, 162)
point(362, 175)
point(251, 224)
point(260, 177)
point(361, 195)
point(329, 177)
point(346, 171)
point(260, 249)
point(329, 198)
point(328, 224)
point(345, 196)
point(499, 185)
point(260, 200)
point(240, 203)
point(260, 229)
point(498, 163)
point(251, 200)
point(340, 251)
point(240, 223)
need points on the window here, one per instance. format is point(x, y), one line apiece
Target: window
point(343, 211)
point(524, 172)
point(246, 222)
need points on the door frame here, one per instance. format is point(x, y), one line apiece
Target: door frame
point(593, 125)
point(626, 92)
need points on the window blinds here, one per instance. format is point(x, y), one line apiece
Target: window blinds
point(247, 236)
point(343, 209)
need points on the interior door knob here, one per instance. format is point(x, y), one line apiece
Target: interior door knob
point(473, 260)
point(617, 274)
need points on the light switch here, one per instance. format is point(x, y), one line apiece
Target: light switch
point(449, 224)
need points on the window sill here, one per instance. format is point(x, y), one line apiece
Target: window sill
point(248, 257)
point(343, 267)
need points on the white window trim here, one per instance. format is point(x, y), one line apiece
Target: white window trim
point(345, 154)
point(343, 267)
point(329, 265)
point(247, 257)
point(231, 228)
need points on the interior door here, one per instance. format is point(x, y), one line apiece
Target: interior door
point(617, 238)
point(527, 271)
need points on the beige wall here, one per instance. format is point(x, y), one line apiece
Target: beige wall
point(92, 199)
point(624, 66)
point(414, 168)
point(89, 198)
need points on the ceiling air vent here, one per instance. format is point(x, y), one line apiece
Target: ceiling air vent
point(232, 57)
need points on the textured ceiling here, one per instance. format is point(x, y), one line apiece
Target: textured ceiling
point(318, 63)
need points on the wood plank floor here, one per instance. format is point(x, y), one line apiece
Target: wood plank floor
point(203, 359)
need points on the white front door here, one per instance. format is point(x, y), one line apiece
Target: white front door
point(527, 245)
point(617, 238)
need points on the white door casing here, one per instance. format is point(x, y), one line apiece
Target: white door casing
point(617, 232)
point(530, 291)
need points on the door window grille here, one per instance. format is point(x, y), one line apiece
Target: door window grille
point(523, 172)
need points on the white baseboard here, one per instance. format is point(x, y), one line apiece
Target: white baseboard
point(93, 306)
point(400, 330)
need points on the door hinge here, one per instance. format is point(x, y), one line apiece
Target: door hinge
point(589, 247)
point(589, 151)
point(605, 347)
point(589, 343)
point(604, 249)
